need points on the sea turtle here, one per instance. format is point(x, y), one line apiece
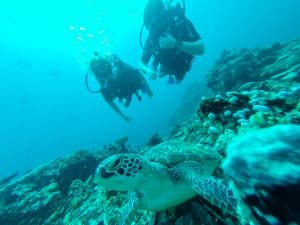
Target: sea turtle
point(167, 175)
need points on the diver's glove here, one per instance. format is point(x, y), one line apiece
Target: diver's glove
point(152, 74)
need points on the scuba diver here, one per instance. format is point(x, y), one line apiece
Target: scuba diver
point(172, 41)
point(118, 80)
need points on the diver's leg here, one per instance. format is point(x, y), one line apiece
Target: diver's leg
point(179, 75)
point(138, 96)
point(145, 88)
point(128, 101)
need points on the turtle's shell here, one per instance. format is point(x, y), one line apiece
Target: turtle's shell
point(171, 153)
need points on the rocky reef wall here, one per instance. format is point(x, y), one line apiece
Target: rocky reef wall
point(254, 88)
point(278, 64)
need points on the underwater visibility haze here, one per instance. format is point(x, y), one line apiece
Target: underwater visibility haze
point(210, 136)
point(46, 110)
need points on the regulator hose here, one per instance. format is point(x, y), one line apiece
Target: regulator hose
point(87, 84)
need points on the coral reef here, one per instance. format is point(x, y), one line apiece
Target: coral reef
point(51, 193)
point(189, 102)
point(280, 62)
point(255, 88)
point(155, 139)
point(8, 179)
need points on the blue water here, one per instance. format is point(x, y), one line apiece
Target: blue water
point(46, 110)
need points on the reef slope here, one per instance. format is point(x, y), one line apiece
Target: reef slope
point(254, 88)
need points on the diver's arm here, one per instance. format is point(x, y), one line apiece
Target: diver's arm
point(145, 70)
point(192, 48)
point(146, 56)
point(193, 45)
point(117, 110)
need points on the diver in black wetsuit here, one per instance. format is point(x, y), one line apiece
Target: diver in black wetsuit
point(172, 42)
point(118, 80)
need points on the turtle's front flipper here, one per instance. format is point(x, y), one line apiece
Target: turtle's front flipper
point(133, 203)
point(217, 191)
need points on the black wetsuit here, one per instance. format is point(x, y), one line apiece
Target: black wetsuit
point(171, 61)
point(128, 81)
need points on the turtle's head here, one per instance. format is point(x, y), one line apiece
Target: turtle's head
point(119, 172)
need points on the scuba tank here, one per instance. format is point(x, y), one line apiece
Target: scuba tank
point(156, 32)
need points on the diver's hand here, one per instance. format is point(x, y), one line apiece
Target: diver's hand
point(167, 42)
point(146, 71)
point(127, 118)
point(150, 73)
